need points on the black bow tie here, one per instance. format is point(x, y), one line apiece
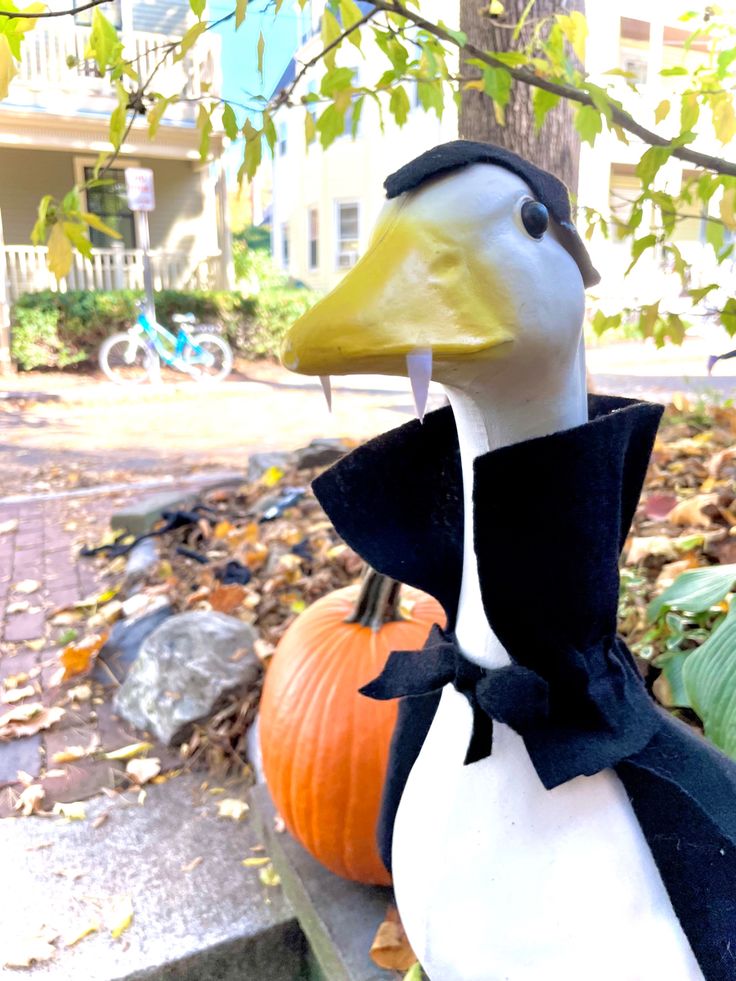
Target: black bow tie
point(512, 694)
point(574, 723)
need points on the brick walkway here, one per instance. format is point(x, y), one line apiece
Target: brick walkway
point(44, 547)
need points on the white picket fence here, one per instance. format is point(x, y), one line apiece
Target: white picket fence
point(26, 270)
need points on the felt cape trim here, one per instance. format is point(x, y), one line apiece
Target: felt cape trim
point(398, 502)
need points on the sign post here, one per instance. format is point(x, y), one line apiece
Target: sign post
point(141, 200)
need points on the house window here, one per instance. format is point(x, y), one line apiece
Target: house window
point(285, 245)
point(109, 202)
point(634, 48)
point(313, 236)
point(283, 131)
point(624, 189)
point(347, 234)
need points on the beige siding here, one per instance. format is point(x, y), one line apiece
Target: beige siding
point(177, 225)
point(26, 176)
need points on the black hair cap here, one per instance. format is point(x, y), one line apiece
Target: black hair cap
point(547, 188)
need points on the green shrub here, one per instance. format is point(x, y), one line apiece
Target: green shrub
point(53, 330)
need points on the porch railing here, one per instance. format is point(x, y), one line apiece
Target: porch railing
point(55, 56)
point(26, 270)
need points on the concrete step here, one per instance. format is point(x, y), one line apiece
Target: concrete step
point(339, 918)
point(216, 922)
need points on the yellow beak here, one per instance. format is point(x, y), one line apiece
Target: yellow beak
point(418, 287)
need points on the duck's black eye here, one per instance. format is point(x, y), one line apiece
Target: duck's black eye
point(535, 218)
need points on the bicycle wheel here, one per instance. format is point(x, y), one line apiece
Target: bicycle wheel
point(208, 358)
point(126, 359)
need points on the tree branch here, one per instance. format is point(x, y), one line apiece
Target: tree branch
point(23, 15)
point(619, 116)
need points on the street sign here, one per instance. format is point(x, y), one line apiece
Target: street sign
point(139, 188)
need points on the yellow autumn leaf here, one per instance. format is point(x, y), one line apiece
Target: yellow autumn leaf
point(81, 931)
point(662, 110)
point(233, 808)
point(272, 476)
point(8, 69)
point(59, 258)
point(269, 876)
point(241, 8)
point(255, 863)
point(128, 752)
point(73, 811)
point(121, 916)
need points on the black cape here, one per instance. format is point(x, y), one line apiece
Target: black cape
point(398, 502)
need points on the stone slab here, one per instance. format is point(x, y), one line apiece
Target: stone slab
point(339, 918)
point(217, 922)
point(139, 517)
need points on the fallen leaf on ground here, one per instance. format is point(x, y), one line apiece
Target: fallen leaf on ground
point(191, 866)
point(390, 948)
point(72, 753)
point(17, 694)
point(656, 546)
point(143, 770)
point(6, 527)
point(225, 599)
point(719, 459)
point(22, 606)
point(78, 658)
point(27, 720)
point(691, 511)
point(34, 949)
point(269, 876)
point(27, 586)
point(36, 645)
point(233, 808)
point(80, 693)
point(81, 931)
point(255, 863)
point(30, 800)
point(127, 752)
point(73, 811)
point(101, 819)
point(120, 916)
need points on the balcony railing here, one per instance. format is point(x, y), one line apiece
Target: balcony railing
point(26, 270)
point(54, 57)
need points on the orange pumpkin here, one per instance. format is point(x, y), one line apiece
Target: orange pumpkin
point(325, 746)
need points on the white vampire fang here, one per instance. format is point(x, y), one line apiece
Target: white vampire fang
point(419, 369)
point(327, 389)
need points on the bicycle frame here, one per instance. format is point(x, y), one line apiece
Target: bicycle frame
point(170, 347)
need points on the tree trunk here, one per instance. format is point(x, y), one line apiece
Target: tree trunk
point(556, 146)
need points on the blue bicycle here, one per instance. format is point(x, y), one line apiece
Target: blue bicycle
point(135, 355)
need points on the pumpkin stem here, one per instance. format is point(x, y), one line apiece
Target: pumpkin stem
point(378, 601)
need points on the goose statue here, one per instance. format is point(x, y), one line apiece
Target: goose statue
point(544, 820)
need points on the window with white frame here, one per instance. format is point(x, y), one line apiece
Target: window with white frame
point(313, 237)
point(285, 245)
point(108, 200)
point(348, 227)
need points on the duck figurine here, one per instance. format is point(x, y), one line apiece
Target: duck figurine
point(543, 819)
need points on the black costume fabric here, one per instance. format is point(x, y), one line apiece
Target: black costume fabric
point(448, 157)
point(398, 502)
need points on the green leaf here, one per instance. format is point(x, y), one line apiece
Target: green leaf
point(672, 666)
point(38, 234)
point(261, 48)
point(715, 235)
point(190, 38)
point(79, 240)
point(414, 973)
point(588, 123)
point(431, 96)
point(662, 110)
point(197, 7)
point(724, 118)
point(672, 72)
point(575, 28)
point(241, 8)
point(94, 221)
point(542, 103)
point(330, 125)
point(496, 8)
point(103, 43)
point(269, 130)
point(331, 31)
point(8, 70)
point(725, 60)
point(689, 111)
point(695, 591)
point(59, 257)
point(336, 80)
point(638, 247)
point(727, 316)
point(119, 116)
point(310, 128)
point(204, 125)
point(155, 115)
point(350, 13)
point(709, 677)
point(650, 164)
point(497, 84)
point(230, 122)
point(253, 150)
point(70, 201)
point(399, 105)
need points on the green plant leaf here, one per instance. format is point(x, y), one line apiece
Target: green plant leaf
point(103, 43)
point(415, 973)
point(241, 8)
point(542, 103)
point(399, 105)
point(190, 38)
point(197, 7)
point(689, 111)
point(8, 70)
point(155, 115)
point(709, 677)
point(75, 233)
point(94, 221)
point(261, 48)
point(695, 591)
point(60, 255)
point(588, 123)
point(662, 110)
point(497, 84)
point(724, 118)
point(671, 666)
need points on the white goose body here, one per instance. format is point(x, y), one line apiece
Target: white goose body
point(496, 878)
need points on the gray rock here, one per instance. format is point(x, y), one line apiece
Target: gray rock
point(320, 453)
point(142, 559)
point(184, 667)
point(259, 463)
point(124, 644)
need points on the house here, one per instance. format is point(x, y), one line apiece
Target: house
point(326, 202)
point(53, 125)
